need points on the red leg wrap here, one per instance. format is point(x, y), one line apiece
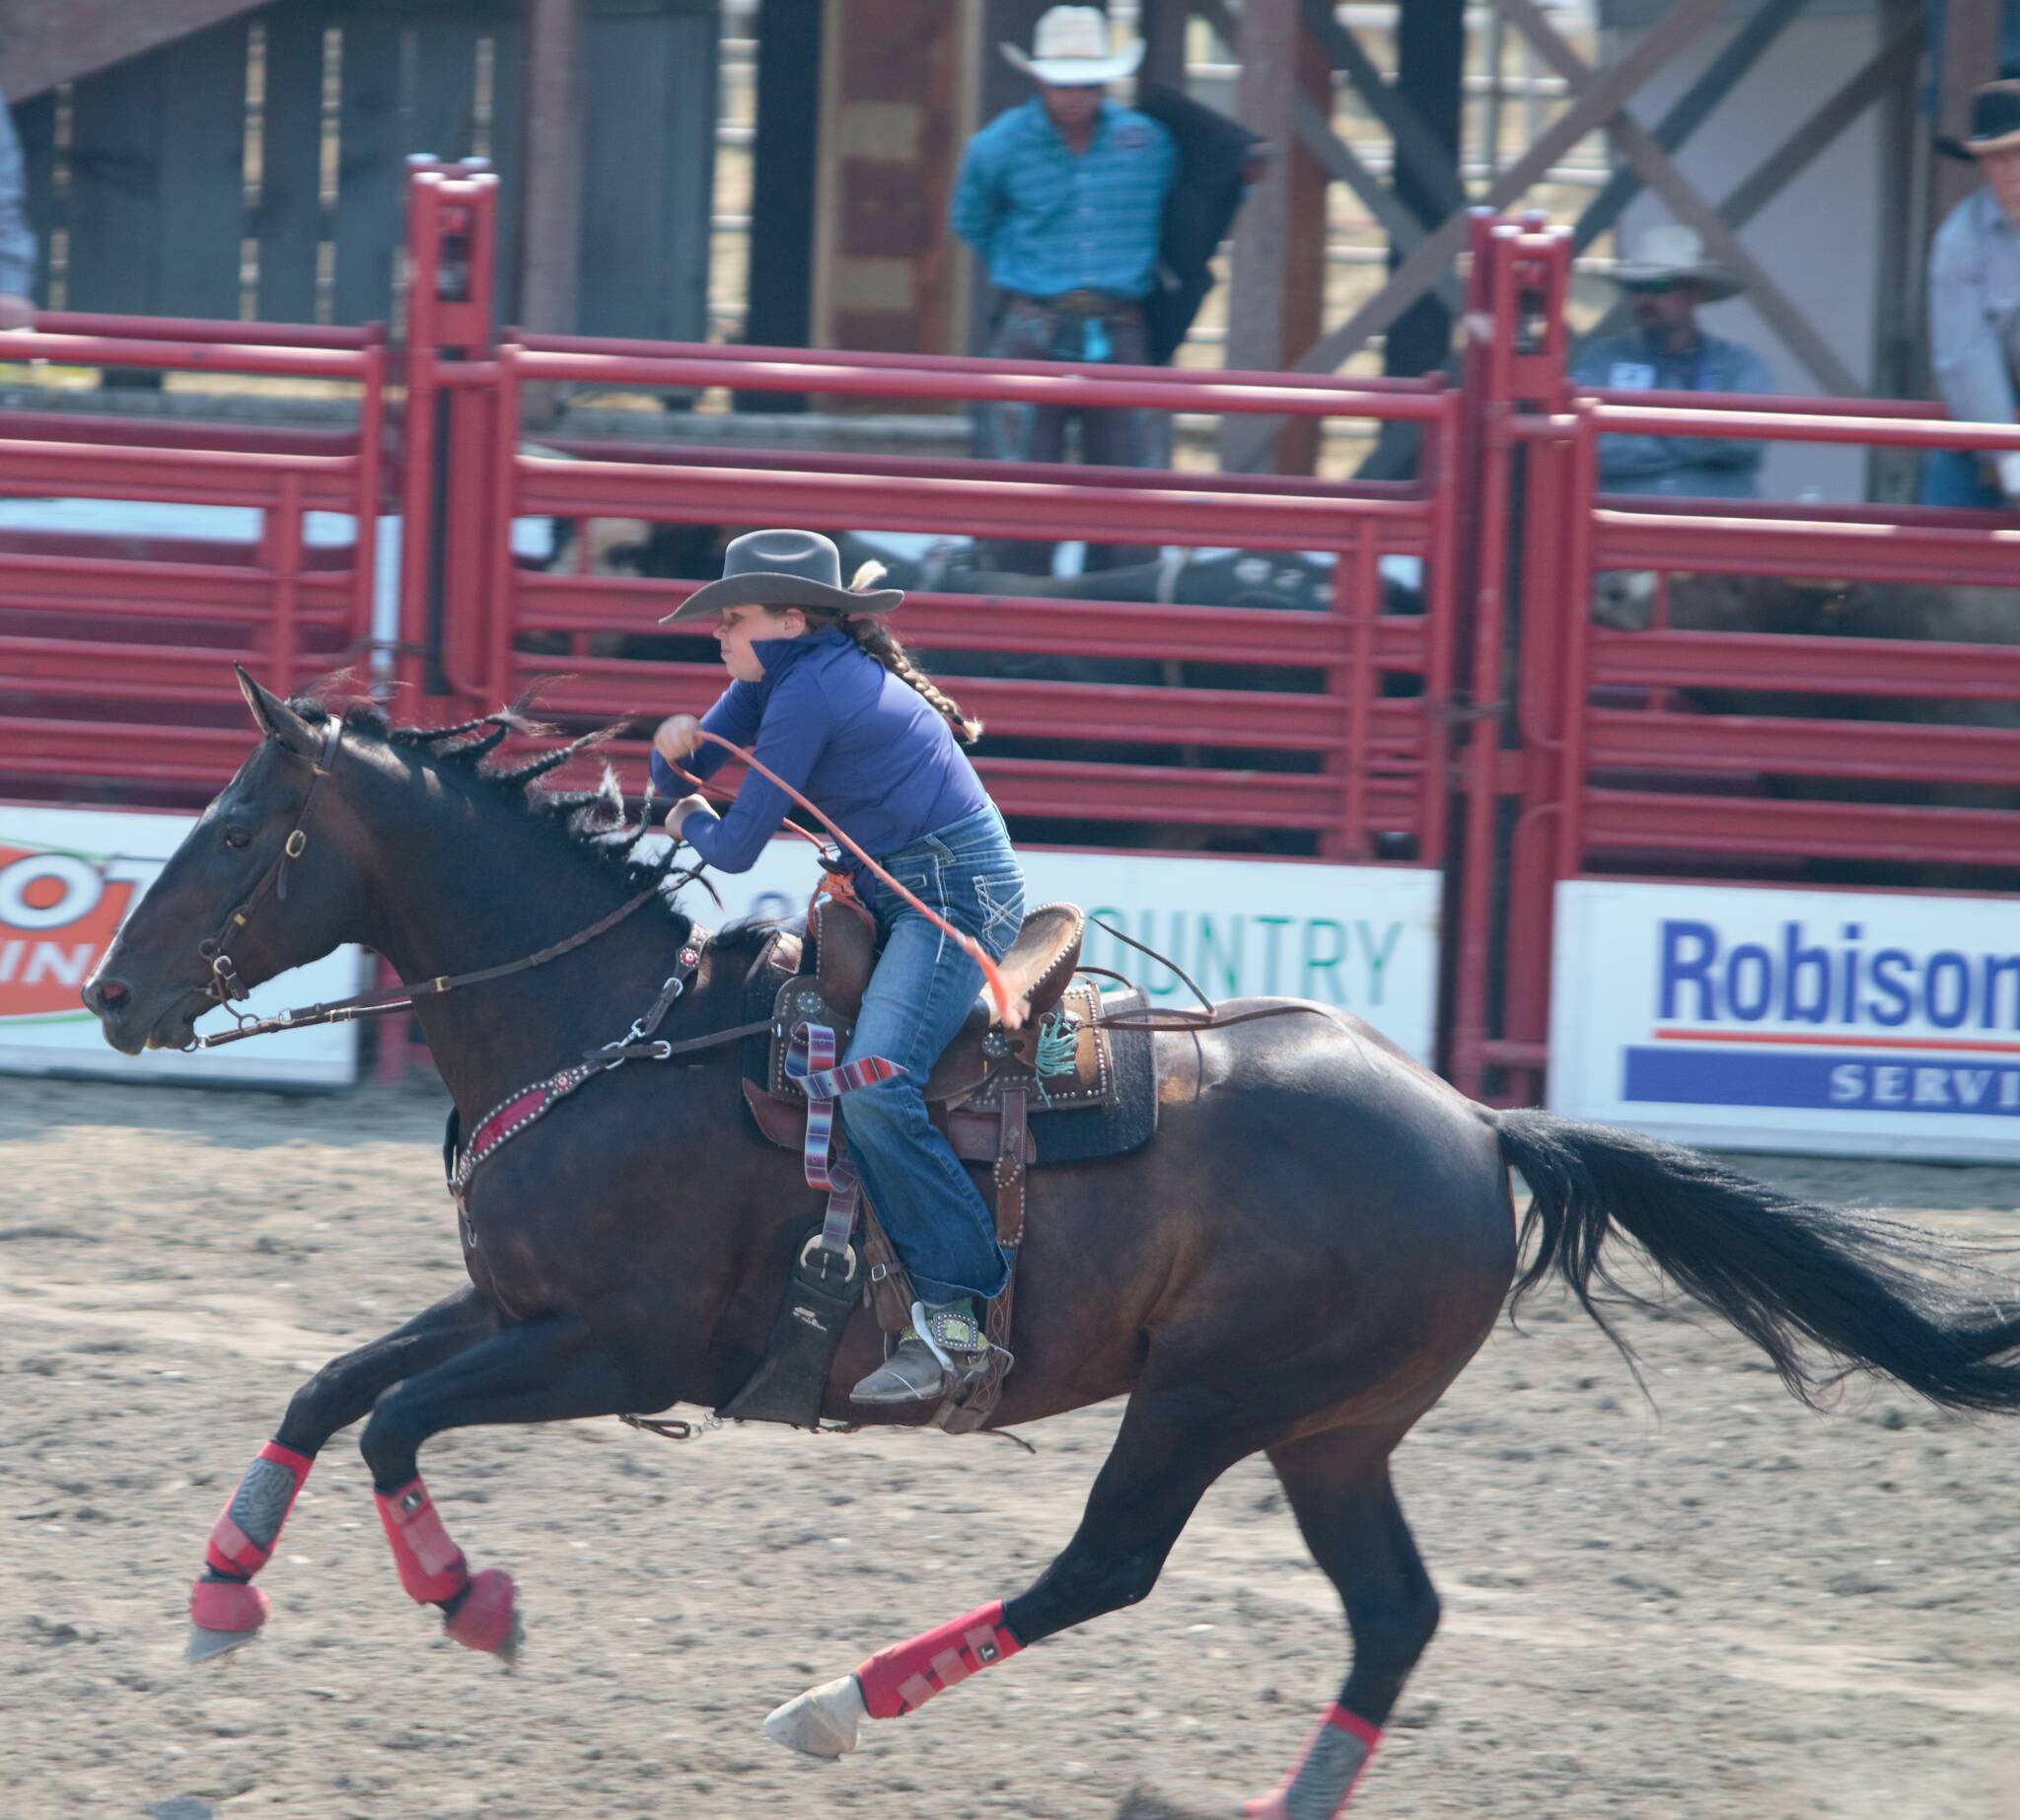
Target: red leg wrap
point(902, 1680)
point(1322, 1780)
point(242, 1538)
point(432, 1566)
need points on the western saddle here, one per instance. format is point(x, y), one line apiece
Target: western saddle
point(981, 1093)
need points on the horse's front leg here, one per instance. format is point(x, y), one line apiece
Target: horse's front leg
point(550, 1369)
point(225, 1607)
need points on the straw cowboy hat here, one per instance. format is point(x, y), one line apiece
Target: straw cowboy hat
point(1072, 49)
point(1994, 122)
point(781, 568)
point(1672, 253)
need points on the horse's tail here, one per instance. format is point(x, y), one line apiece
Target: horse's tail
point(1872, 1293)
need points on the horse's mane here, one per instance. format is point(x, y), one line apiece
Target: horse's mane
point(590, 823)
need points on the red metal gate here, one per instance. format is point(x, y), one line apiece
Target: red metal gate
point(1488, 727)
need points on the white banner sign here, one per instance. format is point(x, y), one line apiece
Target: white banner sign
point(68, 879)
point(1866, 1024)
point(1363, 938)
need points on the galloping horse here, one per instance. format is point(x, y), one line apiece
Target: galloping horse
point(1317, 1242)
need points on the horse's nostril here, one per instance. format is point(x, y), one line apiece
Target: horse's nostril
point(110, 994)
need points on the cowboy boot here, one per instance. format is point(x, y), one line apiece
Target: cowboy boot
point(943, 1351)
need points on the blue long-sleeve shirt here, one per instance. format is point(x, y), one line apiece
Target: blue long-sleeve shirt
point(837, 725)
point(1047, 220)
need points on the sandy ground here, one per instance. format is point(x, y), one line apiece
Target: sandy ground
point(1727, 1606)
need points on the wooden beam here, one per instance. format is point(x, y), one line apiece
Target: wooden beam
point(58, 40)
point(1969, 57)
point(1263, 100)
point(1900, 367)
point(1417, 148)
point(1692, 110)
point(552, 239)
point(1164, 24)
point(1895, 61)
point(1588, 111)
point(1660, 174)
point(1343, 162)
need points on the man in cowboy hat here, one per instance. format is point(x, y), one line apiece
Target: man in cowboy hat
point(1665, 282)
point(1063, 199)
point(1975, 304)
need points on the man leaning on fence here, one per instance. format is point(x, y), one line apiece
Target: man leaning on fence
point(1975, 304)
point(1063, 199)
point(1665, 282)
point(17, 240)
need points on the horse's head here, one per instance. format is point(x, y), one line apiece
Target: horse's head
point(257, 887)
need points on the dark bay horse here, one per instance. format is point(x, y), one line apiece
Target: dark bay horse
point(1318, 1241)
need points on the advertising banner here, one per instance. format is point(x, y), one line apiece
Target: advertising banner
point(1858, 1023)
point(1361, 937)
point(68, 879)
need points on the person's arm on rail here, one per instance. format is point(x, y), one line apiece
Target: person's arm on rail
point(1622, 458)
point(1735, 369)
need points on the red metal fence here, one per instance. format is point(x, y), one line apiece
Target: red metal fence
point(1489, 727)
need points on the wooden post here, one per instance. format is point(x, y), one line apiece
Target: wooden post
point(1164, 25)
point(1263, 229)
point(784, 180)
point(553, 236)
point(1900, 361)
point(1969, 57)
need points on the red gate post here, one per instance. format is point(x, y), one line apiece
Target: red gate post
point(451, 257)
point(1515, 355)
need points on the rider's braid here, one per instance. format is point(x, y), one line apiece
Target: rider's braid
point(874, 636)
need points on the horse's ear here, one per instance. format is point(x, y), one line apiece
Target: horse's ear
point(276, 718)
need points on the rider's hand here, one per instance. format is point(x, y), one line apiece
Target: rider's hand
point(679, 737)
point(676, 816)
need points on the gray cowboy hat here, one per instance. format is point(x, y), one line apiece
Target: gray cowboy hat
point(1672, 253)
point(781, 568)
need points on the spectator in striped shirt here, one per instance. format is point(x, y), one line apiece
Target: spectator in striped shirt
point(1063, 199)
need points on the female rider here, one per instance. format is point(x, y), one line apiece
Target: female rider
point(828, 699)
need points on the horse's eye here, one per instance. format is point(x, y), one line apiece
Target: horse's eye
point(237, 837)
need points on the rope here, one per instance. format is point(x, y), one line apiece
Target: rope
point(1011, 1014)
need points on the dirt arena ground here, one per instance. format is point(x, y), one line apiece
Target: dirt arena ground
point(1724, 1607)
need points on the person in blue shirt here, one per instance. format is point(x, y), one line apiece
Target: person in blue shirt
point(1063, 198)
point(1666, 283)
point(826, 698)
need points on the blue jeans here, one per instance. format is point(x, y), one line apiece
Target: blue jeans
point(1953, 478)
point(916, 1000)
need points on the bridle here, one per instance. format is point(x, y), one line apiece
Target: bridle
point(229, 991)
point(224, 985)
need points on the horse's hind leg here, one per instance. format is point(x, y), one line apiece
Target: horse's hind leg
point(1338, 1488)
point(1171, 1447)
point(225, 1607)
point(550, 1369)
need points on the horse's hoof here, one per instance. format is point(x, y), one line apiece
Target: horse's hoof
point(205, 1643)
point(223, 1614)
point(820, 1722)
point(487, 1619)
